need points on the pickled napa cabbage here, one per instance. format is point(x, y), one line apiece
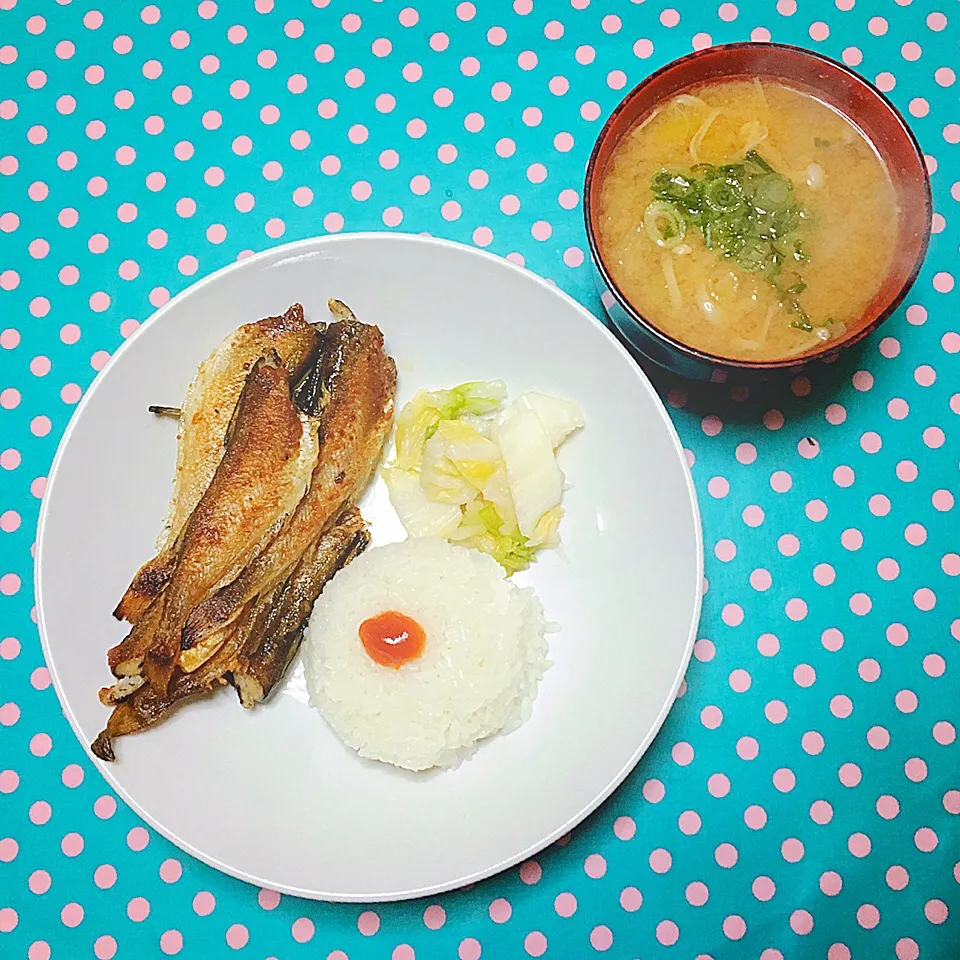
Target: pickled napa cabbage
point(477, 470)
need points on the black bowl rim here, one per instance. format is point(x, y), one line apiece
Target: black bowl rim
point(715, 359)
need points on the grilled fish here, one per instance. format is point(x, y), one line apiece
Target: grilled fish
point(254, 652)
point(204, 419)
point(260, 480)
point(358, 385)
point(147, 705)
point(274, 640)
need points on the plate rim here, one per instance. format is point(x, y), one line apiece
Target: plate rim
point(278, 251)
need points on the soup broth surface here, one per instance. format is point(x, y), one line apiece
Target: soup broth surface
point(823, 220)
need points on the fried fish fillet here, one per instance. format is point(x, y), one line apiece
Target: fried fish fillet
point(275, 637)
point(204, 419)
point(265, 469)
point(147, 705)
point(358, 383)
point(254, 651)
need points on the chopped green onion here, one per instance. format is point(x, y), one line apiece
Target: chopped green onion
point(755, 157)
point(802, 325)
point(664, 224)
point(745, 212)
point(772, 192)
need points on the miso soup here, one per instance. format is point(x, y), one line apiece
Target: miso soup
point(748, 220)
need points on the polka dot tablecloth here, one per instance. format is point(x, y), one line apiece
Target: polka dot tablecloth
point(803, 798)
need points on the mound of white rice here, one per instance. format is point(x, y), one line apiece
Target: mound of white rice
point(484, 655)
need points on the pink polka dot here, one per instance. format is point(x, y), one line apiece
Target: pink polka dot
point(796, 609)
point(915, 534)
point(726, 855)
point(138, 909)
point(527, 60)
point(732, 614)
point(483, 236)
point(878, 737)
point(755, 817)
point(237, 936)
point(859, 845)
point(624, 828)
point(821, 812)
point(906, 701)
point(469, 949)
point(725, 550)
point(530, 873)
point(689, 822)
point(775, 711)
point(10, 582)
point(595, 866)
point(860, 604)
point(653, 791)
point(926, 840)
point(71, 915)
point(915, 769)
point(734, 927)
point(697, 893)
point(887, 806)
point(39, 882)
point(40, 811)
point(831, 883)
point(907, 471)
point(170, 870)
point(669, 17)
point(368, 923)
point(924, 599)
point(945, 76)
point(601, 938)
point(204, 903)
point(9, 648)
point(565, 904)
point(942, 500)
point(171, 942)
point(718, 487)
point(718, 785)
point(792, 850)
point(944, 732)
point(812, 742)
point(660, 860)
point(667, 933)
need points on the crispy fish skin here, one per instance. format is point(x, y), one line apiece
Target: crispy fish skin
point(275, 638)
point(205, 416)
point(359, 384)
point(147, 584)
point(126, 658)
point(260, 479)
point(148, 705)
point(256, 650)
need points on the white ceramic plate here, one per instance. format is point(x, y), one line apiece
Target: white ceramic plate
point(270, 795)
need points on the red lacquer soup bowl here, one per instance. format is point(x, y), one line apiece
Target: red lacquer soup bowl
point(853, 97)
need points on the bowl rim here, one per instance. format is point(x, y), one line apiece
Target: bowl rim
point(717, 360)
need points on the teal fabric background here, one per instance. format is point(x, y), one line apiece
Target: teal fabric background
point(803, 799)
